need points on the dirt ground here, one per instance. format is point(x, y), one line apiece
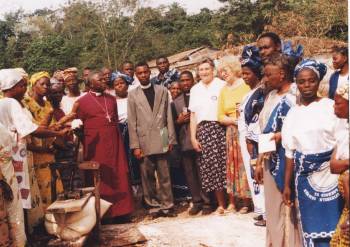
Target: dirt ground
point(229, 230)
point(215, 231)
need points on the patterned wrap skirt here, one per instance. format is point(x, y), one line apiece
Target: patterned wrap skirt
point(237, 182)
point(11, 212)
point(340, 239)
point(212, 159)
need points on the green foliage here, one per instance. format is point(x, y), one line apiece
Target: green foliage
point(50, 52)
point(90, 34)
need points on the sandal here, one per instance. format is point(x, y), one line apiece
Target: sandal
point(258, 217)
point(220, 211)
point(231, 208)
point(244, 210)
point(260, 223)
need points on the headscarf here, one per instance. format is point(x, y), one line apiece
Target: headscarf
point(319, 68)
point(37, 76)
point(343, 91)
point(251, 58)
point(23, 73)
point(73, 70)
point(67, 76)
point(287, 49)
point(70, 73)
point(54, 81)
point(118, 74)
point(9, 78)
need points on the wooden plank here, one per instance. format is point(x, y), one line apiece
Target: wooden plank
point(89, 165)
point(68, 206)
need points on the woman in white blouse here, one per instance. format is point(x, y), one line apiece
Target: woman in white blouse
point(207, 135)
point(18, 123)
point(308, 136)
point(121, 87)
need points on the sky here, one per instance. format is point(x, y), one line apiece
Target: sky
point(192, 6)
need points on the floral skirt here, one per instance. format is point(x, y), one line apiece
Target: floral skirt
point(212, 159)
point(237, 182)
point(40, 189)
point(35, 215)
point(43, 175)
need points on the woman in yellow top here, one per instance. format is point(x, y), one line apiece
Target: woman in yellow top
point(43, 151)
point(230, 97)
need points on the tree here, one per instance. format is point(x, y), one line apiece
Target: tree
point(107, 32)
point(50, 53)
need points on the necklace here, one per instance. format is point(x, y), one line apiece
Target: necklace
point(105, 109)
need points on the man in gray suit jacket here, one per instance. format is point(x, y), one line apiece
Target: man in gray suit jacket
point(181, 116)
point(152, 135)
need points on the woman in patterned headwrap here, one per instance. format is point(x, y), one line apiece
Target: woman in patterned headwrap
point(281, 223)
point(43, 151)
point(340, 164)
point(308, 136)
point(121, 91)
point(250, 108)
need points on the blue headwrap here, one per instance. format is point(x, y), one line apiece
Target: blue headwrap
point(319, 68)
point(287, 49)
point(251, 58)
point(118, 74)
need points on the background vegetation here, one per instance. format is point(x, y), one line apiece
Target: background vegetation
point(91, 34)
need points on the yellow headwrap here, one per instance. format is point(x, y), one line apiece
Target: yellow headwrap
point(37, 76)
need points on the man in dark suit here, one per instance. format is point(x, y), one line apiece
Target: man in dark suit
point(152, 135)
point(181, 115)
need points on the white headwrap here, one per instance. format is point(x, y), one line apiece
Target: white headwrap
point(9, 78)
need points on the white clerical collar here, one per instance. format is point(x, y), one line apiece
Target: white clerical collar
point(146, 87)
point(97, 94)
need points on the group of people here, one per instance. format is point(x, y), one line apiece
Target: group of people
point(252, 130)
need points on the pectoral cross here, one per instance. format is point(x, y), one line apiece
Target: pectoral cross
point(109, 118)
